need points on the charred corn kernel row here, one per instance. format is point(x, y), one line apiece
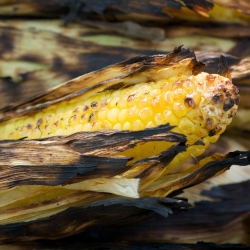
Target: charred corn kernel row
point(199, 106)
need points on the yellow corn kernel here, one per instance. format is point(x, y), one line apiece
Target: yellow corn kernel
point(127, 126)
point(180, 109)
point(113, 115)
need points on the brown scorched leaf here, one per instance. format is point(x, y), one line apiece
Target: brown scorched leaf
point(225, 220)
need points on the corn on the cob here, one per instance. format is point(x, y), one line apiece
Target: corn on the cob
point(199, 106)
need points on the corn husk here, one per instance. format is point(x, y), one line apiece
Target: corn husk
point(43, 181)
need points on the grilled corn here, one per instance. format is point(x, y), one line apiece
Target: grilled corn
point(199, 106)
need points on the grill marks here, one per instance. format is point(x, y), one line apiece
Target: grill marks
point(228, 104)
point(227, 97)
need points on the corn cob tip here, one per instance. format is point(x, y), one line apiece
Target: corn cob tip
point(219, 101)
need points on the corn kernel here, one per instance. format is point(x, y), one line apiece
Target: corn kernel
point(122, 103)
point(137, 125)
point(77, 128)
point(145, 114)
point(159, 119)
point(187, 126)
point(133, 113)
point(118, 126)
point(179, 94)
point(127, 126)
point(150, 124)
point(113, 115)
point(102, 114)
point(171, 117)
point(87, 127)
point(179, 109)
point(169, 98)
point(114, 102)
point(123, 116)
point(105, 125)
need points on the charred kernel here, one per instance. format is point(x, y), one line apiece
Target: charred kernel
point(210, 78)
point(132, 100)
point(83, 116)
point(130, 97)
point(228, 104)
point(56, 123)
point(86, 108)
point(231, 114)
point(91, 117)
point(105, 102)
point(177, 84)
point(212, 109)
point(223, 88)
point(73, 120)
point(235, 90)
point(39, 122)
point(210, 123)
point(76, 110)
point(165, 86)
point(189, 102)
point(237, 100)
point(212, 132)
point(95, 125)
point(94, 104)
point(29, 126)
point(218, 98)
